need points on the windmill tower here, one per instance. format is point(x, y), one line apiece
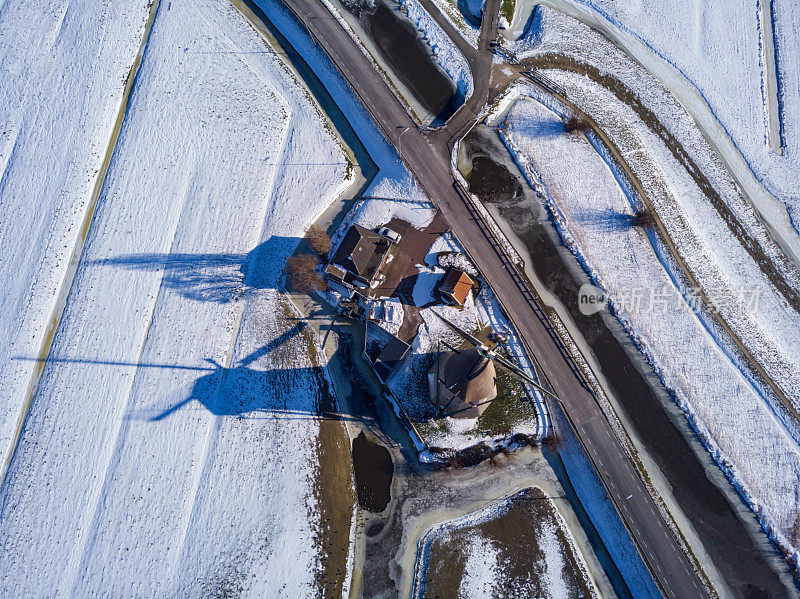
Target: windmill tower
point(464, 382)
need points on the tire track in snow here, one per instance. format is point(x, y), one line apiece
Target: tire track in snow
point(111, 457)
point(214, 421)
point(77, 252)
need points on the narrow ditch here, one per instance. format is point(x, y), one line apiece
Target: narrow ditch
point(409, 58)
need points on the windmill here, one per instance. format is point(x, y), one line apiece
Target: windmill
point(464, 380)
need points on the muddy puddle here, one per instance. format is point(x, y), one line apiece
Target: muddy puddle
point(374, 470)
point(745, 558)
point(485, 558)
point(402, 49)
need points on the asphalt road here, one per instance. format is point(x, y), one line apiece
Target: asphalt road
point(428, 158)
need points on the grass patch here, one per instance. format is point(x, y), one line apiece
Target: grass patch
point(507, 9)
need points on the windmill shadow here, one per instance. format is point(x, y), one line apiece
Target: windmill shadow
point(246, 391)
point(214, 277)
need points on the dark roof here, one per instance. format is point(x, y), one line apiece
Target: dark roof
point(361, 252)
point(384, 350)
point(457, 284)
point(470, 376)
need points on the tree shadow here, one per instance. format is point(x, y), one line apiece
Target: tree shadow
point(608, 220)
point(214, 277)
point(551, 127)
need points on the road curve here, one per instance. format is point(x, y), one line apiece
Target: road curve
point(428, 158)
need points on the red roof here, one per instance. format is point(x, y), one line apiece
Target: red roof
point(456, 284)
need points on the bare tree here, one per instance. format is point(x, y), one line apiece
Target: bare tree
point(318, 240)
point(553, 441)
point(643, 218)
point(303, 275)
point(576, 124)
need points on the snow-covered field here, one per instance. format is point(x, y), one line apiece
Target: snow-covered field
point(739, 425)
point(63, 68)
point(170, 446)
point(717, 259)
point(710, 56)
point(717, 47)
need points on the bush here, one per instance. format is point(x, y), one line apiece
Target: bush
point(643, 218)
point(318, 240)
point(303, 275)
point(576, 124)
point(553, 441)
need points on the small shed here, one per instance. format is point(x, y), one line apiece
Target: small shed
point(455, 286)
point(383, 350)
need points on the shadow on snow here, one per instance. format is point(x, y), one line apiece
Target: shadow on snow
point(218, 278)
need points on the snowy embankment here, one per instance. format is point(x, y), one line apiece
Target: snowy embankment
point(451, 11)
point(171, 444)
point(712, 59)
point(740, 427)
point(63, 68)
point(717, 258)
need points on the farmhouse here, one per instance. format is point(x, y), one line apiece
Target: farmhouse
point(359, 258)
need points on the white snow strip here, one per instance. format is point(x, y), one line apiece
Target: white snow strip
point(482, 570)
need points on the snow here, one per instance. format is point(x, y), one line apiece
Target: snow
point(717, 259)
point(63, 66)
point(374, 213)
point(481, 570)
point(554, 561)
point(388, 313)
point(604, 517)
point(717, 47)
point(162, 454)
point(451, 9)
point(709, 54)
point(760, 452)
point(452, 255)
point(444, 243)
point(425, 284)
point(393, 179)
